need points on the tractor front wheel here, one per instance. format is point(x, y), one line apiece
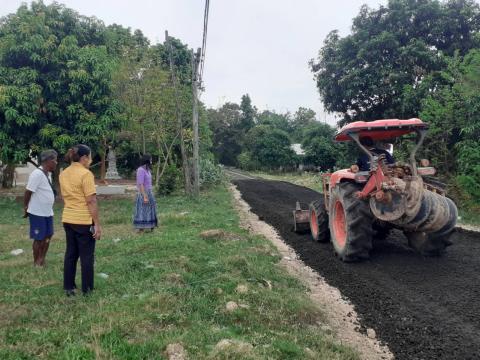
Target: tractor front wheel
point(350, 223)
point(318, 221)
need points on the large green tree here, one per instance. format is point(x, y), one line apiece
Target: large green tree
point(453, 112)
point(370, 73)
point(269, 147)
point(55, 82)
point(228, 136)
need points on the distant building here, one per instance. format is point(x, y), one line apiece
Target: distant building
point(297, 148)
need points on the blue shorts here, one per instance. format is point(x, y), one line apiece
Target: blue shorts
point(41, 227)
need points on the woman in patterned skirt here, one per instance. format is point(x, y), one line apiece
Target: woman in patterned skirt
point(145, 216)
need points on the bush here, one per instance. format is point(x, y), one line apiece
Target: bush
point(245, 162)
point(169, 180)
point(210, 173)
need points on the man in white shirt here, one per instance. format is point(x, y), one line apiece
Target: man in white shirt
point(38, 206)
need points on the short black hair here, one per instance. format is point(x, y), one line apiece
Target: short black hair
point(146, 160)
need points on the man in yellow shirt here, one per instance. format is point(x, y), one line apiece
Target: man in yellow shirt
point(80, 218)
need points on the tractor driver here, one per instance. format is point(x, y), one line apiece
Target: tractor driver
point(363, 161)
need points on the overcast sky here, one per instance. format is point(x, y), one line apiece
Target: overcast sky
point(259, 47)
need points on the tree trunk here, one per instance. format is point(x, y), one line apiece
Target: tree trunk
point(8, 176)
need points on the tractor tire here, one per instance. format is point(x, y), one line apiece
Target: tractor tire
point(351, 223)
point(381, 230)
point(319, 222)
point(428, 244)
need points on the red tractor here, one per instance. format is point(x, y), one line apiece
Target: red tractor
point(360, 204)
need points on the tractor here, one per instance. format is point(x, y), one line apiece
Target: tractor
point(359, 205)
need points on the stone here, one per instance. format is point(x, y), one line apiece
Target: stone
point(16, 252)
point(231, 306)
point(241, 289)
point(112, 173)
point(176, 352)
point(110, 189)
point(371, 333)
point(102, 275)
point(310, 353)
point(234, 345)
point(218, 291)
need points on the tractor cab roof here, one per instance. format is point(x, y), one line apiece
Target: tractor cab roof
point(380, 129)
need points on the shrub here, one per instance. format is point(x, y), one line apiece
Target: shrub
point(169, 180)
point(210, 173)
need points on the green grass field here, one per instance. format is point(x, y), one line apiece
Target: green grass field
point(171, 286)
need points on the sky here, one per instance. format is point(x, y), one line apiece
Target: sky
point(256, 47)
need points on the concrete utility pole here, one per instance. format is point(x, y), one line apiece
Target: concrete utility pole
point(195, 85)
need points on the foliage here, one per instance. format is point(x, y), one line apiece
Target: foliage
point(275, 120)
point(225, 124)
point(247, 120)
point(210, 173)
point(453, 112)
point(55, 82)
point(322, 151)
point(269, 147)
point(371, 73)
point(169, 181)
point(302, 118)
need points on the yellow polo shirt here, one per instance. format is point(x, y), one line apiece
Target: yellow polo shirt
point(76, 183)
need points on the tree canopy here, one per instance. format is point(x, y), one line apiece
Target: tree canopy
point(393, 49)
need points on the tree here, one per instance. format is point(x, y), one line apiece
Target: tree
point(365, 75)
point(273, 119)
point(453, 112)
point(269, 147)
point(225, 124)
point(302, 118)
point(55, 78)
point(320, 149)
point(247, 120)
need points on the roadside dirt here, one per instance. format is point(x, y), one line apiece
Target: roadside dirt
point(422, 308)
point(342, 317)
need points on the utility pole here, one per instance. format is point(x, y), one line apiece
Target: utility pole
point(195, 85)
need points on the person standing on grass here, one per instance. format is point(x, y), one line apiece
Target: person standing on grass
point(145, 214)
point(80, 218)
point(38, 206)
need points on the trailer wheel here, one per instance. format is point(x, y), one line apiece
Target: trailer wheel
point(319, 222)
point(350, 223)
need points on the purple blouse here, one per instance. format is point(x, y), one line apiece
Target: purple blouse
point(144, 177)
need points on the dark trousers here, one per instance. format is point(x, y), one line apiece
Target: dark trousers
point(80, 244)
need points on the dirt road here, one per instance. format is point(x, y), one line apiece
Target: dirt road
point(423, 308)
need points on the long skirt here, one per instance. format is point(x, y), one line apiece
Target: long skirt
point(145, 215)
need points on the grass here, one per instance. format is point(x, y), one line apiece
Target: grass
point(167, 287)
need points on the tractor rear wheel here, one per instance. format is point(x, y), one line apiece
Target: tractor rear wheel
point(350, 223)
point(319, 222)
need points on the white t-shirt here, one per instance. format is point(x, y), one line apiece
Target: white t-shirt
point(41, 202)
